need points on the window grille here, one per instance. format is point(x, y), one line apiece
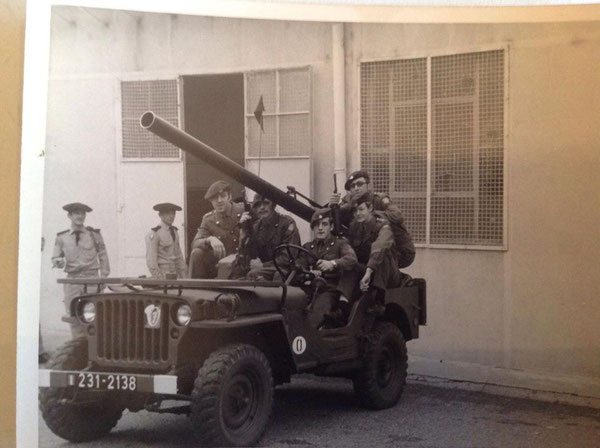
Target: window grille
point(137, 97)
point(452, 182)
point(286, 118)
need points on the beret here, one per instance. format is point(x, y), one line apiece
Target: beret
point(217, 188)
point(319, 214)
point(259, 197)
point(356, 175)
point(77, 206)
point(367, 196)
point(166, 207)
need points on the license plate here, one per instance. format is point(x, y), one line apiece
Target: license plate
point(102, 381)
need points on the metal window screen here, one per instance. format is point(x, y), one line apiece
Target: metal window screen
point(467, 143)
point(138, 97)
point(286, 118)
point(467, 98)
point(394, 135)
point(294, 90)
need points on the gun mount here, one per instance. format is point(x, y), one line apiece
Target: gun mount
point(192, 145)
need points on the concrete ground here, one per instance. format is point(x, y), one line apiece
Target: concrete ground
point(323, 412)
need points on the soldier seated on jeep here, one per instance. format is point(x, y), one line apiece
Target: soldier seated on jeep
point(260, 239)
point(332, 260)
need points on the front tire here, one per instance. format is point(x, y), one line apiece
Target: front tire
point(381, 380)
point(73, 421)
point(232, 397)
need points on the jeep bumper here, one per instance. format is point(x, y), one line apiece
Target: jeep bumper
point(108, 381)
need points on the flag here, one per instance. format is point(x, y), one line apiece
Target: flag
point(258, 113)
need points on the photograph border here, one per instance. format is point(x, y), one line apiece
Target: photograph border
point(35, 92)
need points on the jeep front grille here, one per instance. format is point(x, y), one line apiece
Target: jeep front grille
point(122, 336)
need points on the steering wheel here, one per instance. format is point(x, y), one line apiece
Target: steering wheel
point(292, 260)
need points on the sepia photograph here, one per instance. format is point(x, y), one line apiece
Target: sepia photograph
point(276, 231)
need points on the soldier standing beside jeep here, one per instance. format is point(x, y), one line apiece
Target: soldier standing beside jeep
point(219, 232)
point(260, 240)
point(80, 250)
point(163, 252)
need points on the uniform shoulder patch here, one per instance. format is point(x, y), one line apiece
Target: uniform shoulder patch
point(155, 229)
point(206, 215)
point(63, 232)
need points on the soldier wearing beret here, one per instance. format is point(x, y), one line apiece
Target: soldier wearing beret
point(80, 250)
point(357, 183)
point(219, 232)
point(373, 242)
point(163, 251)
point(335, 262)
point(269, 231)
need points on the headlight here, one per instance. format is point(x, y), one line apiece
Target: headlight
point(184, 315)
point(88, 312)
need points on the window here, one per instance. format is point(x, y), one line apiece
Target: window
point(138, 97)
point(432, 137)
point(286, 117)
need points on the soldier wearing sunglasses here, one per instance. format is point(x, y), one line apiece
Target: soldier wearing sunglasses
point(357, 184)
point(266, 233)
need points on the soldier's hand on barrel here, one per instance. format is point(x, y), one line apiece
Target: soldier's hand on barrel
point(58, 263)
point(217, 246)
point(325, 265)
point(335, 198)
point(366, 280)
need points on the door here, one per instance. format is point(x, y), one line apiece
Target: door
point(213, 112)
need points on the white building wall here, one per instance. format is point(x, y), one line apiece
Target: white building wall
point(533, 308)
point(79, 167)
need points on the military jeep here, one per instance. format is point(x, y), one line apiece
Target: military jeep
point(218, 347)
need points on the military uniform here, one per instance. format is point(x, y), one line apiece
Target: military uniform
point(226, 227)
point(373, 242)
point(331, 249)
point(404, 248)
point(85, 254)
point(340, 281)
point(266, 235)
point(163, 252)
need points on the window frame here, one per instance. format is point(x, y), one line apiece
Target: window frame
point(277, 114)
point(428, 55)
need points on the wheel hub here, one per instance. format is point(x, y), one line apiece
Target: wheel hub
point(240, 401)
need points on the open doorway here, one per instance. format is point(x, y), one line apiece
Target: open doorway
point(213, 112)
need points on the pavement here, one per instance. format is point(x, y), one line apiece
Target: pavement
point(323, 412)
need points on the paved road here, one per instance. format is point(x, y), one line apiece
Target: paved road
point(317, 412)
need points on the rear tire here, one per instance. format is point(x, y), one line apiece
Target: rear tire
point(381, 380)
point(76, 422)
point(232, 397)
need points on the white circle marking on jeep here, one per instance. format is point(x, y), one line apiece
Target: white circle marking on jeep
point(299, 345)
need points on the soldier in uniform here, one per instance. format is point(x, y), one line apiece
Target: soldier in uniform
point(163, 252)
point(357, 184)
point(80, 250)
point(261, 238)
point(219, 232)
point(373, 242)
point(335, 262)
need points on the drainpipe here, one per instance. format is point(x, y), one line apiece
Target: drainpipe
point(339, 105)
